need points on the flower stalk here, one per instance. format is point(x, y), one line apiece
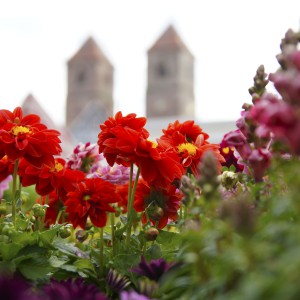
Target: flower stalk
point(130, 209)
point(14, 190)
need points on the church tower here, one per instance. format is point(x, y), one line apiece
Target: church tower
point(170, 86)
point(90, 81)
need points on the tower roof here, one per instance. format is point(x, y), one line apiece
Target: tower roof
point(90, 50)
point(169, 40)
point(31, 106)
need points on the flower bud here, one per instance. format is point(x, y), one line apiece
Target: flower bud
point(151, 234)
point(39, 210)
point(229, 179)
point(65, 232)
point(81, 235)
point(155, 213)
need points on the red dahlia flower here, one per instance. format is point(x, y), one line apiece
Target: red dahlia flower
point(91, 199)
point(188, 128)
point(6, 168)
point(159, 205)
point(119, 136)
point(27, 137)
point(54, 206)
point(190, 142)
point(159, 167)
point(48, 178)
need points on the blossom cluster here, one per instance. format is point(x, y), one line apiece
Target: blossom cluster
point(94, 180)
point(271, 124)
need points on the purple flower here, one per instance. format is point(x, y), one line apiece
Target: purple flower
point(85, 157)
point(4, 184)
point(116, 281)
point(16, 289)
point(153, 270)
point(231, 156)
point(132, 295)
point(71, 289)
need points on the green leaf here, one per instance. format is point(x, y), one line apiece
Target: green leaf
point(84, 263)
point(9, 251)
point(37, 267)
point(153, 252)
point(47, 236)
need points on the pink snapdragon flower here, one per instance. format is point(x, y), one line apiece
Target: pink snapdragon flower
point(237, 139)
point(259, 161)
point(287, 82)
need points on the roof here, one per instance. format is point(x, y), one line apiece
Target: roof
point(31, 106)
point(90, 50)
point(170, 39)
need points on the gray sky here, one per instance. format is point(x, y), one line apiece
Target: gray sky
point(229, 40)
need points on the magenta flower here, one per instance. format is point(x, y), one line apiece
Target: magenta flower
point(238, 140)
point(132, 295)
point(272, 115)
point(259, 160)
point(85, 157)
point(287, 82)
point(117, 174)
point(231, 156)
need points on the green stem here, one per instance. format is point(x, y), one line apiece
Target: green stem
point(101, 253)
point(113, 238)
point(14, 189)
point(42, 223)
point(131, 194)
point(58, 216)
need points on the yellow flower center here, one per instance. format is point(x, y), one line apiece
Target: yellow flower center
point(190, 148)
point(58, 166)
point(20, 130)
point(154, 145)
point(86, 197)
point(226, 150)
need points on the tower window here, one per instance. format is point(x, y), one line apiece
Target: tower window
point(81, 77)
point(162, 70)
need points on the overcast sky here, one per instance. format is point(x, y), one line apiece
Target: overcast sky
point(229, 40)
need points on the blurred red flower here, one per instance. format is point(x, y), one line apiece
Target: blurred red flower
point(55, 205)
point(92, 198)
point(47, 179)
point(27, 137)
point(6, 167)
point(160, 205)
point(190, 142)
point(119, 136)
point(159, 167)
point(122, 191)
